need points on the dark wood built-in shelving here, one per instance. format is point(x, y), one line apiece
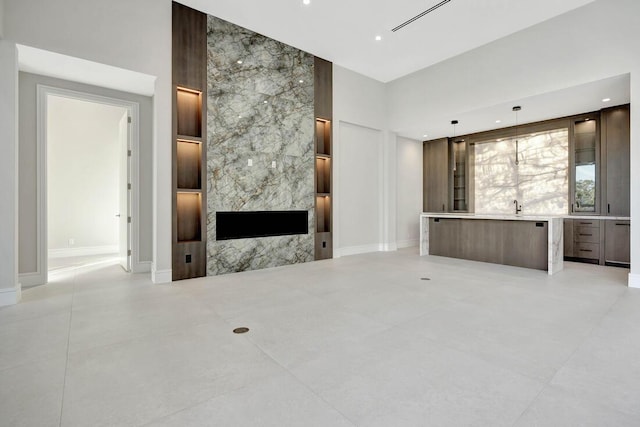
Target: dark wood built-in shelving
point(189, 133)
point(323, 96)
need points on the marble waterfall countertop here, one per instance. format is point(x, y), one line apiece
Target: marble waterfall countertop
point(555, 237)
point(507, 217)
point(519, 217)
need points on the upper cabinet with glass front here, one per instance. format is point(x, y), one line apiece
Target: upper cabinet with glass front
point(584, 160)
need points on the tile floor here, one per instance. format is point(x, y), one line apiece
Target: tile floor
point(359, 340)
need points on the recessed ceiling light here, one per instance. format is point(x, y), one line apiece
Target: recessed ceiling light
point(266, 102)
point(606, 100)
point(306, 2)
point(300, 81)
point(425, 135)
point(498, 121)
point(378, 38)
point(239, 61)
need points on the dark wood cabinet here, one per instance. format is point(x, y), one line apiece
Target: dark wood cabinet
point(516, 243)
point(525, 244)
point(582, 240)
point(584, 164)
point(445, 237)
point(615, 161)
point(617, 242)
point(435, 173)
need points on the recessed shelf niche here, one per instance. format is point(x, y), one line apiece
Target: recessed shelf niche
point(189, 167)
point(323, 175)
point(323, 137)
point(189, 206)
point(323, 214)
point(189, 112)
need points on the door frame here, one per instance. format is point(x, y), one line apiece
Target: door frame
point(133, 109)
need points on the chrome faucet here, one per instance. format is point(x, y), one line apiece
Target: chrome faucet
point(518, 208)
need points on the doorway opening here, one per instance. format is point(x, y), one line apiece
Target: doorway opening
point(86, 150)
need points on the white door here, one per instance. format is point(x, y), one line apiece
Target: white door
point(124, 213)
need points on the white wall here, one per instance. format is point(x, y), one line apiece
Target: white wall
point(594, 42)
point(83, 156)
point(359, 139)
point(1, 18)
point(131, 35)
point(9, 287)
point(359, 219)
point(409, 185)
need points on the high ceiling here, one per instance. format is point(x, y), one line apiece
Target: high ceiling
point(344, 31)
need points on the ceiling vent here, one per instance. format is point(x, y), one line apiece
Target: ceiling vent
point(420, 15)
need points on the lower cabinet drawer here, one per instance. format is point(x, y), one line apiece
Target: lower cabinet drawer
point(586, 222)
point(586, 234)
point(587, 250)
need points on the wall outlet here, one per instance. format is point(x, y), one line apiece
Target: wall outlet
point(187, 259)
point(250, 162)
point(72, 242)
point(273, 164)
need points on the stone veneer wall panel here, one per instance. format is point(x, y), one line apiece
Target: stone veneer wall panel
point(262, 109)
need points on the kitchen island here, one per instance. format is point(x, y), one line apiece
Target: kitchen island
point(530, 241)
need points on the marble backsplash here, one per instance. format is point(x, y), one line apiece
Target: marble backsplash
point(540, 182)
point(260, 107)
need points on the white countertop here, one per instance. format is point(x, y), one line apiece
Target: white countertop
point(615, 218)
point(491, 216)
point(462, 215)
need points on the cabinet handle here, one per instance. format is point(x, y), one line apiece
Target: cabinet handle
point(586, 250)
point(571, 207)
point(608, 208)
point(588, 235)
point(586, 223)
point(443, 207)
point(626, 225)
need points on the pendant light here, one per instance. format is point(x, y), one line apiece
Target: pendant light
point(515, 110)
point(454, 123)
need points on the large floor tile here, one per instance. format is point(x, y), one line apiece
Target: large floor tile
point(101, 325)
point(31, 340)
point(556, 408)
point(276, 402)
point(292, 333)
point(31, 394)
point(395, 378)
point(137, 381)
point(606, 368)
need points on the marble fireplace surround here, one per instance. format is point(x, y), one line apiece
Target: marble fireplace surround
point(260, 147)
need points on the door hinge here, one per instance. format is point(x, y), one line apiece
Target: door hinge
point(129, 252)
point(129, 119)
point(129, 219)
point(129, 186)
point(129, 153)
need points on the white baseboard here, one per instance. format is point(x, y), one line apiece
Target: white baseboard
point(82, 251)
point(389, 247)
point(29, 280)
point(10, 296)
point(161, 276)
point(634, 280)
point(141, 267)
point(355, 250)
point(408, 243)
